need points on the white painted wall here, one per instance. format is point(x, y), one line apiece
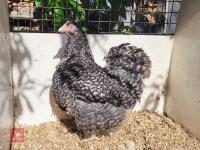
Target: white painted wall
point(35, 56)
point(6, 101)
point(183, 98)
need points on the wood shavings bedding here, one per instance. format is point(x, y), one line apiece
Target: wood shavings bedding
point(141, 131)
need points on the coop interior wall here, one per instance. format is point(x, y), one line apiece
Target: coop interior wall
point(183, 98)
point(6, 101)
point(35, 56)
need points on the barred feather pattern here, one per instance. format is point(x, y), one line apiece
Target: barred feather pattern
point(94, 85)
point(95, 118)
point(129, 65)
point(65, 98)
point(85, 91)
point(90, 117)
point(98, 98)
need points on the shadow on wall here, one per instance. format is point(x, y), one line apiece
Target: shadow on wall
point(27, 86)
point(5, 85)
point(62, 48)
point(22, 62)
point(155, 95)
point(95, 43)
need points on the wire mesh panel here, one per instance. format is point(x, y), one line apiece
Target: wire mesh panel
point(95, 16)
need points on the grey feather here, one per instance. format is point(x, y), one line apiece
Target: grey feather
point(99, 98)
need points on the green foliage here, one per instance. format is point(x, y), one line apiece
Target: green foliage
point(56, 9)
point(38, 3)
point(77, 10)
point(126, 29)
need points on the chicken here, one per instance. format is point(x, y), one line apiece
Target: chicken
point(98, 98)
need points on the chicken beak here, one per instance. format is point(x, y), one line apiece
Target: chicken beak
point(62, 29)
point(66, 30)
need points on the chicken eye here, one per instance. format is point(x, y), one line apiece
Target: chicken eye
point(75, 31)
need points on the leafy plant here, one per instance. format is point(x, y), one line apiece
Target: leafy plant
point(38, 3)
point(97, 15)
point(58, 10)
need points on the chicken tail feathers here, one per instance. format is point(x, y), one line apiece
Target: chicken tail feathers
point(129, 58)
point(129, 65)
point(142, 62)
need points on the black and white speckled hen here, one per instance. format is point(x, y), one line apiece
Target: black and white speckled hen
point(98, 98)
